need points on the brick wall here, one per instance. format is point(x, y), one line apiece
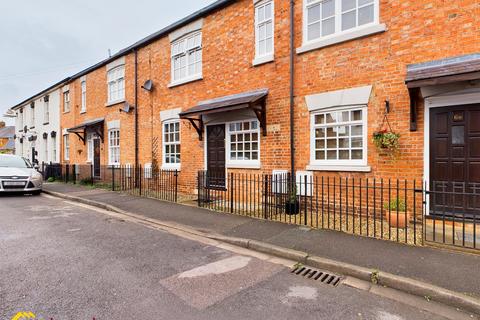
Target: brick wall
point(417, 31)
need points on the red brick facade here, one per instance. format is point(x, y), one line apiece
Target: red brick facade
point(416, 31)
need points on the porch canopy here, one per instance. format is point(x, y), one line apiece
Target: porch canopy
point(432, 73)
point(81, 130)
point(253, 100)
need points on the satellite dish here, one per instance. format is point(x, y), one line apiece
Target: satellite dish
point(126, 108)
point(148, 85)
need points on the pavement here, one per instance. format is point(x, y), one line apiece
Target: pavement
point(64, 260)
point(455, 271)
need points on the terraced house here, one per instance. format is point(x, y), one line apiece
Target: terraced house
point(325, 88)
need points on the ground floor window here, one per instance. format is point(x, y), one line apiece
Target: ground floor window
point(66, 143)
point(243, 143)
point(114, 147)
point(54, 149)
point(45, 150)
point(89, 147)
point(171, 144)
point(338, 136)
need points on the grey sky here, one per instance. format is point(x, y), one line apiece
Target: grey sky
point(46, 41)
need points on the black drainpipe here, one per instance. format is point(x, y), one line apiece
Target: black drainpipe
point(136, 106)
point(292, 101)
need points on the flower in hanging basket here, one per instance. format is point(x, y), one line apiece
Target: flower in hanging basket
point(386, 140)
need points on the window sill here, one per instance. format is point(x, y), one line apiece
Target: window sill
point(343, 37)
point(243, 165)
point(112, 103)
point(171, 167)
point(184, 81)
point(346, 168)
point(262, 60)
point(83, 111)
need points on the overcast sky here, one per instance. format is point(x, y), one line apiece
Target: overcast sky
point(46, 41)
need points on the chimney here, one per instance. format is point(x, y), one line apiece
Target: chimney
point(2, 124)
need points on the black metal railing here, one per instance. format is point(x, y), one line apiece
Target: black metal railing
point(143, 181)
point(378, 208)
point(453, 214)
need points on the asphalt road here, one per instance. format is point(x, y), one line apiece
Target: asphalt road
point(63, 261)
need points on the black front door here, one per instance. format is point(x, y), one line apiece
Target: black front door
point(216, 155)
point(455, 161)
point(96, 158)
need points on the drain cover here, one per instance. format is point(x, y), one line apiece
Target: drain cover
point(317, 275)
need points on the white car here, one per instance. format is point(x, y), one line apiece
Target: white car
point(17, 174)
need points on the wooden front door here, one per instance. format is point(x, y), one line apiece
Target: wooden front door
point(455, 161)
point(96, 158)
point(216, 155)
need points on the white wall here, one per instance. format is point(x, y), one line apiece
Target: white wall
point(44, 147)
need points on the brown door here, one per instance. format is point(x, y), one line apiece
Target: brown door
point(96, 158)
point(216, 156)
point(455, 161)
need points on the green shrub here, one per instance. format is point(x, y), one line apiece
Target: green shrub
point(51, 179)
point(396, 203)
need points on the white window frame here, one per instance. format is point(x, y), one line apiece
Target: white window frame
point(32, 117)
point(165, 165)
point(83, 86)
point(339, 35)
point(116, 84)
point(267, 56)
point(253, 164)
point(179, 48)
point(114, 148)
point(66, 143)
point(46, 149)
point(66, 101)
point(90, 137)
point(340, 165)
point(54, 149)
point(20, 119)
point(46, 112)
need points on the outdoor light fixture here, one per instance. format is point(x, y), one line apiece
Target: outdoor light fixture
point(148, 85)
point(126, 108)
point(387, 106)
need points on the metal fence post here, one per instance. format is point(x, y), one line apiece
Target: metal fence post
point(176, 185)
point(113, 178)
point(232, 184)
point(265, 191)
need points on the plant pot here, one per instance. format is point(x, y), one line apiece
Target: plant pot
point(398, 221)
point(292, 208)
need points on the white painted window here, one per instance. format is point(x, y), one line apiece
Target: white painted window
point(187, 57)
point(66, 101)
point(54, 149)
point(32, 117)
point(324, 18)
point(46, 112)
point(116, 84)
point(66, 143)
point(243, 143)
point(339, 136)
point(171, 144)
point(45, 145)
point(84, 96)
point(264, 28)
point(114, 147)
point(89, 147)
point(20, 119)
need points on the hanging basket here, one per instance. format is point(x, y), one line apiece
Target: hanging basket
point(386, 140)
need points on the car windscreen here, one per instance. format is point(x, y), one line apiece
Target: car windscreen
point(14, 162)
